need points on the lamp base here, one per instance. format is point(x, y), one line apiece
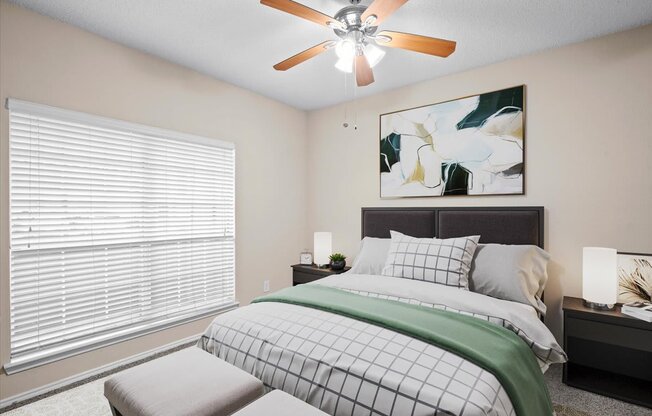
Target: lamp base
point(599, 306)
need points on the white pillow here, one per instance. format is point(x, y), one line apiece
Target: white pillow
point(511, 272)
point(371, 256)
point(433, 260)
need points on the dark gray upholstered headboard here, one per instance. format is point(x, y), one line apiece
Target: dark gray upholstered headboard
point(500, 225)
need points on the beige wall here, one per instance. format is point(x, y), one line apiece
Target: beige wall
point(588, 144)
point(45, 61)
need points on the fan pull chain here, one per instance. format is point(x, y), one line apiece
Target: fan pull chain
point(355, 107)
point(345, 124)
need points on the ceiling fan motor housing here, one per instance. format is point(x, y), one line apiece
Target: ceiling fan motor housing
point(351, 18)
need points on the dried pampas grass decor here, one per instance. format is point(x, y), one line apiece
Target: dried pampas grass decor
point(635, 277)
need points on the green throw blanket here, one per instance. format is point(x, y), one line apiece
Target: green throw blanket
point(491, 347)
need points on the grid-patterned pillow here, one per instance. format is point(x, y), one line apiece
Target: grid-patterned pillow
point(432, 260)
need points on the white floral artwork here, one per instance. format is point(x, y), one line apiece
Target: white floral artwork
point(634, 277)
point(469, 146)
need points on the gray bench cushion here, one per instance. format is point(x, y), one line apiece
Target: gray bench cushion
point(279, 403)
point(188, 382)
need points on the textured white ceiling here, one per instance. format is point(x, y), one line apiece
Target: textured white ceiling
point(238, 41)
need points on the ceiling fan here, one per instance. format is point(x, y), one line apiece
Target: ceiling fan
point(356, 26)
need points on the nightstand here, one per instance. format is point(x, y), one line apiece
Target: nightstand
point(302, 273)
point(609, 353)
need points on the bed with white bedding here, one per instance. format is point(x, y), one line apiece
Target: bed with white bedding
point(347, 366)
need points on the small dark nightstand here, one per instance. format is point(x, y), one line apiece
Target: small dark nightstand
point(609, 353)
point(302, 273)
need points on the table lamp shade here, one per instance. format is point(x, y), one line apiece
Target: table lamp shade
point(323, 247)
point(600, 275)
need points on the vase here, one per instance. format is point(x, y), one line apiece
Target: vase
point(338, 265)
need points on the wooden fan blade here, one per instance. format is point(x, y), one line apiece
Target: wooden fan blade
point(304, 56)
point(416, 43)
point(363, 73)
point(382, 9)
point(305, 12)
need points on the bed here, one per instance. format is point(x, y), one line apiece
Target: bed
point(349, 364)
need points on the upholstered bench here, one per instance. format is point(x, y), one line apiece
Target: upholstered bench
point(189, 382)
point(279, 403)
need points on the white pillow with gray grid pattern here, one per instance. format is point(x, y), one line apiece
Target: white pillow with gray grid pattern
point(446, 262)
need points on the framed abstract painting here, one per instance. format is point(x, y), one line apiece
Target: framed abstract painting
point(468, 146)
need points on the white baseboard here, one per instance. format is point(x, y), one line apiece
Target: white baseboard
point(90, 373)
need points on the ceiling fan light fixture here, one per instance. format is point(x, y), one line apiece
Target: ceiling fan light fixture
point(356, 25)
point(374, 54)
point(345, 65)
point(345, 49)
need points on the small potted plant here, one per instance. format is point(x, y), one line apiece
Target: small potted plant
point(338, 261)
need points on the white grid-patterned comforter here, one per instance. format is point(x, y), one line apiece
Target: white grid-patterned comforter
point(347, 367)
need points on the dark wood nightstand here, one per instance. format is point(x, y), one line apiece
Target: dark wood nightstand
point(302, 273)
point(609, 353)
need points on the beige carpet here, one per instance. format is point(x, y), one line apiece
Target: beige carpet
point(85, 400)
point(562, 410)
point(88, 400)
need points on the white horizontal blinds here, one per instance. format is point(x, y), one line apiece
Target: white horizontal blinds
point(112, 228)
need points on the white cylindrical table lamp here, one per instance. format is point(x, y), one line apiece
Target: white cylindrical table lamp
point(599, 277)
point(323, 248)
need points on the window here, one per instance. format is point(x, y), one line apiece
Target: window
point(116, 230)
